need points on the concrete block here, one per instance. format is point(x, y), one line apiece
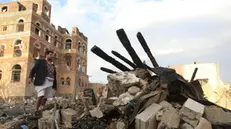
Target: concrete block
point(147, 118)
point(46, 123)
point(191, 112)
point(204, 124)
point(96, 112)
point(170, 119)
point(67, 116)
point(165, 104)
point(47, 114)
point(217, 116)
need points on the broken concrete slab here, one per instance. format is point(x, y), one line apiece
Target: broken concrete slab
point(46, 123)
point(170, 119)
point(123, 99)
point(96, 112)
point(165, 104)
point(120, 82)
point(191, 112)
point(147, 119)
point(217, 116)
point(204, 124)
point(47, 114)
point(67, 116)
point(159, 115)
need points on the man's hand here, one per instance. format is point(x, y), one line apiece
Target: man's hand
point(29, 80)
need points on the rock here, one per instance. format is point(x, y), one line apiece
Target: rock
point(123, 99)
point(186, 126)
point(121, 124)
point(170, 119)
point(119, 82)
point(96, 112)
point(46, 123)
point(204, 124)
point(47, 114)
point(165, 104)
point(191, 112)
point(67, 116)
point(147, 119)
point(159, 115)
point(217, 116)
point(133, 90)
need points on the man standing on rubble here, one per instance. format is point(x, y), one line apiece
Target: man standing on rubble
point(45, 78)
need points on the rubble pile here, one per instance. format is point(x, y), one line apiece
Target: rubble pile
point(140, 97)
point(155, 97)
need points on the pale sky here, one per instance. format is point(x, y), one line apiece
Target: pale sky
point(177, 31)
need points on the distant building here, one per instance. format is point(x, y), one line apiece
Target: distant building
point(208, 71)
point(25, 34)
point(213, 87)
point(96, 86)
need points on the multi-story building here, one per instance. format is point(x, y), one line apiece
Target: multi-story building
point(25, 34)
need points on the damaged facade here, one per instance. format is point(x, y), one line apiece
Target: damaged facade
point(25, 34)
point(214, 89)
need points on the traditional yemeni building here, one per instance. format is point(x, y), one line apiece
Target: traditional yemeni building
point(25, 34)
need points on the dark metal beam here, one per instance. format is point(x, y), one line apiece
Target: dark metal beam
point(96, 50)
point(146, 49)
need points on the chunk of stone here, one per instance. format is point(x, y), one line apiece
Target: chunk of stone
point(68, 116)
point(123, 99)
point(204, 124)
point(119, 82)
point(147, 119)
point(217, 116)
point(133, 90)
point(159, 115)
point(191, 112)
point(96, 112)
point(47, 114)
point(170, 119)
point(165, 104)
point(46, 123)
point(120, 125)
point(186, 126)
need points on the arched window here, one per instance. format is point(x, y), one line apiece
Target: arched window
point(36, 50)
point(0, 74)
point(18, 48)
point(16, 72)
point(68, 81)
point(83, 67)
point(55, 41)
point(79, 46)
point(4, 9)
point(2, 49)
point(62, 81)
point(78, 64)
point(84, 50)
point(68, 44)
point(67, 58)
point(20, 25)
point(37, 29)
point(47, 36)
point(47, 12)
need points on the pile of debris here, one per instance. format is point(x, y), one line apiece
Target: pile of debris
point(155, 97)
